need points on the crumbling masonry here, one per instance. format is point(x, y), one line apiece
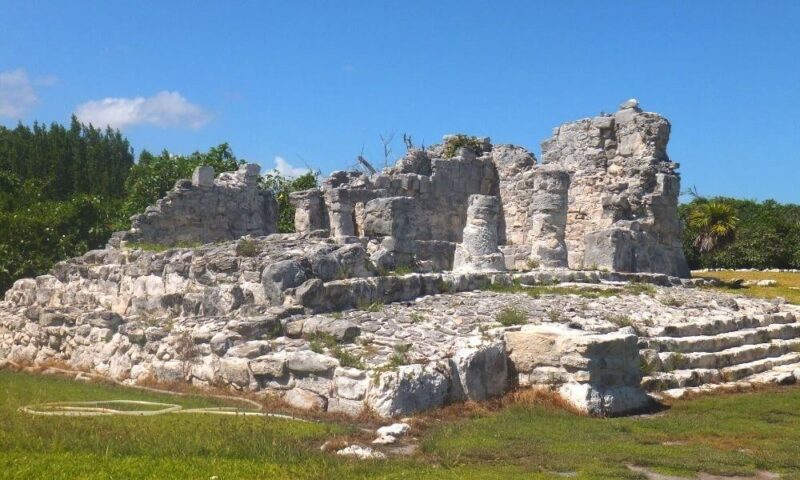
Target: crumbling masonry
point(605, 197)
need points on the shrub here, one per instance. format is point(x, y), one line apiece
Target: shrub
point(455, 142)
point(247, 247)
point(511, 316)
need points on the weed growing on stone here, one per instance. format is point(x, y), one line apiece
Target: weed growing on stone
point(158, 247)
point(532, 264)
point(554, 315)
point(620, 320)
point(347, 359)
point(455, 142)
point(247, 247)
point(511, 316)
point(671, 301)
point(337, 315)
point(640, 288)
point(417, 317)
point(368, 306)
point(400, 355)
point(319, 341)
point(674, 362)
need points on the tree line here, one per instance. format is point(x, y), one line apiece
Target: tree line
point(63, 191)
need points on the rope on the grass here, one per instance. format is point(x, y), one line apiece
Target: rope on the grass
point(96, 409)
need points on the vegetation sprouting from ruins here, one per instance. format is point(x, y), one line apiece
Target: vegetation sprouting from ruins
point(64, 190)
point(282, 187)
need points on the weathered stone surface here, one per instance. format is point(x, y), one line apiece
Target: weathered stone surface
point(282, 275)
point(309, 362)
point(623, 180)
point(480, 373)
point(207, 210)
point(549, 222)
point(593, 368)
point(305, 400)
point(478, 251)
point(409, 389)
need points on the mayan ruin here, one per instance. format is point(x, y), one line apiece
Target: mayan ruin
point(404, 270)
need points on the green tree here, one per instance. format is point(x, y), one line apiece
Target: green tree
point(153, 176)
point(715, 222)
point(281, 187)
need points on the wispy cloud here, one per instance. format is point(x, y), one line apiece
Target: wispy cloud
point(17, 95)
point(164, 109)
point(288, 170)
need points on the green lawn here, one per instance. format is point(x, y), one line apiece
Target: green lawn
point(736, 434)
point(788, 285)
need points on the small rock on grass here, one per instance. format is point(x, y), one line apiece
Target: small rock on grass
point(362, 453)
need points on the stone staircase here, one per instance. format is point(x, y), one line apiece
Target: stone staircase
point(731, 353)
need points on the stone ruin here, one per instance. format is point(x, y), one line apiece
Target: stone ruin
point(604, 197)
point(388, 296)
point(205, 210)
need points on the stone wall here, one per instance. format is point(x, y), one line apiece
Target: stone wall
point(623, 193)
point(205, 209)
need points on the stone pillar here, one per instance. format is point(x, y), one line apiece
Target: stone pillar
point(392, 220)
point(309, 211)
point(340, 212)
point(549, 222)
point(203, 176)
point(478, 250)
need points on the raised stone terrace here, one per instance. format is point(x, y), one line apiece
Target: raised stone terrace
point(461, 273)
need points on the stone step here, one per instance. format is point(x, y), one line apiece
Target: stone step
point(697, 377)
point(723, 341)
point(728, 357)
point(720, 326)
point(788, 374)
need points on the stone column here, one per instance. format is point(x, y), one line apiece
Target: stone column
point(549, 222)
point(203, 176)
point(309, 211)
point(340, 212)
point(478, 250)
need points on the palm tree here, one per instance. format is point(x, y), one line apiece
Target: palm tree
point(715, 222)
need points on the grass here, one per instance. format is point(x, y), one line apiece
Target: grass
point(537, 291)
point(158, 247)
point(788, 285)
point(722, 435)
point(511, 316)
point(247, 247)
point(367, 306)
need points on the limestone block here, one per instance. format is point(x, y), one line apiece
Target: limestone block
point(203, 176)
point(480, 373)
point(409, 389)
point(279, 276)
point(305, 400)
point(309, 362)
point(310, 213)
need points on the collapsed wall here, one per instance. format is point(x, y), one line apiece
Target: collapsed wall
point(623, 194)
point(205, 210)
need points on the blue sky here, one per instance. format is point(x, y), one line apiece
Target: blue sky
point(313, 82)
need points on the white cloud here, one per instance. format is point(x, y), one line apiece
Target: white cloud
point(164, 109)
point(288, 170)
point(17, 95)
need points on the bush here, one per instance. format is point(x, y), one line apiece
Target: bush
point(455, 142)
point(768, 236)
point(511, 316)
